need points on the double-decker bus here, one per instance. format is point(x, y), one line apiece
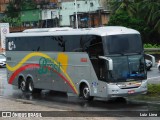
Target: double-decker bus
point(95, 62)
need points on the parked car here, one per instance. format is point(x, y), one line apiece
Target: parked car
point(148, 64)
point(2, 60)
point(158, 65)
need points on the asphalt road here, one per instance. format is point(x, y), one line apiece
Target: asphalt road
point(153, 75)
point(72, 103)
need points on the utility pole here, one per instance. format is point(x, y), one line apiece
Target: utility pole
point(76, 14)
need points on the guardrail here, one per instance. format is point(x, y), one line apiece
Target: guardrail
point(151, 49)
point(153, 52)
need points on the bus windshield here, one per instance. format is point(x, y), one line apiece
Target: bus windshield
point(123, 43)
point(127, 68)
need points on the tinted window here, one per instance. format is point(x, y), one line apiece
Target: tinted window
point(94, 45)
point(67, 43)
point(126, 43)
point(25, 44)
point(54, 43)
point(74, 43)
point(35, 44)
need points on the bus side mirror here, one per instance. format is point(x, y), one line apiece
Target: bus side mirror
point(109, 60)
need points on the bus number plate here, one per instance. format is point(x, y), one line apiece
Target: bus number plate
point(131, 91)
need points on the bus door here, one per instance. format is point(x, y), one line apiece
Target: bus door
point(95, 49)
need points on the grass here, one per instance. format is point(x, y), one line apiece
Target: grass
point(153, 90)
point(153, 93)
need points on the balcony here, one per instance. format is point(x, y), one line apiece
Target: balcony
point(4, 1)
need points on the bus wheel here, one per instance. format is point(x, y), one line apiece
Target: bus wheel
point(23, 86)
point(30, 87)
point(86, 93)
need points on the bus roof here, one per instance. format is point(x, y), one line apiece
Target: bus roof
point(100, 31)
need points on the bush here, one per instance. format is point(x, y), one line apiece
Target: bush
point(151, 46)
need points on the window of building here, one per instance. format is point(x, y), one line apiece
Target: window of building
point(78, 5)
point(60, 17)
point(91, 4)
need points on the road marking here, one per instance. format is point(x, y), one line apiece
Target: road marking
point(154, 77)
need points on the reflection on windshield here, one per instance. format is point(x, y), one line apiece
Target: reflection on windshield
point(127, 68)
point(123, 43)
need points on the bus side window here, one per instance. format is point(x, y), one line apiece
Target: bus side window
point(73, 43)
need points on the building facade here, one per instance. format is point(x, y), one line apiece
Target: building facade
point(61, 13)
point(69, 8)
point(3, 7)
point(49, 18)
point(96, 18)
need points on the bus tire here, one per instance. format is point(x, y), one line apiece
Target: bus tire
point(22, 85)
point(85, 92)
point(30, 87)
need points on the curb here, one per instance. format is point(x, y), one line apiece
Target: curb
point(142, 101)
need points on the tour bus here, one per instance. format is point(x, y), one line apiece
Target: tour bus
point(105, 62)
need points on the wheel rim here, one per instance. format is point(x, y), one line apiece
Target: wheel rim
point(30, 87)
point(23, 85)
point(86, 92)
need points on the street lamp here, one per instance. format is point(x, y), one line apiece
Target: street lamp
point(76, 14)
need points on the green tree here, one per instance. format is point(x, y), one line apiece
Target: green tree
point(120, 5)
point(14, 22)
point(12, 11)
point(15, 6)
point(146, 10)
point(28, 4)
point(122, 19)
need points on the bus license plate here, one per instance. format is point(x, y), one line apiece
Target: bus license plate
point(131, 91)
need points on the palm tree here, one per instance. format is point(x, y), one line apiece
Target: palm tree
point(148, 10)
point(145, 10)
point(123, 5)
point(153, 19)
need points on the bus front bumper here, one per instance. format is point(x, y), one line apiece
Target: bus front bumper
point(116, 91)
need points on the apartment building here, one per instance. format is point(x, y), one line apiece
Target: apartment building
point(55, 13)
point(90, 13)
point(68, 8)
point(3, 7)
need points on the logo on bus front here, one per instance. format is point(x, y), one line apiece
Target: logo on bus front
point(11, 45)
